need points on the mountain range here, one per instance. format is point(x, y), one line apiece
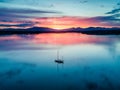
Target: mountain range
point(89, 30)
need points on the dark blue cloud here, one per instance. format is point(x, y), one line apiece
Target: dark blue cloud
point(25, 11)
point(111, 20)
point(3, 1)
point(17, 25)
point(113, 17)
point(84, 1)
point(19, 14)
point(118, 3)
point(106, 18)
point(114, 11)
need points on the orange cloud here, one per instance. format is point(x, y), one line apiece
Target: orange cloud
point(67, 22)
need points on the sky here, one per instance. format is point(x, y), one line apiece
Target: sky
point(59, 14)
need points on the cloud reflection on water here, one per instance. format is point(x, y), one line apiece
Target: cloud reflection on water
point(50, 41)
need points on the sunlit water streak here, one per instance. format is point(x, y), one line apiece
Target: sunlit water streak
point(90, 62)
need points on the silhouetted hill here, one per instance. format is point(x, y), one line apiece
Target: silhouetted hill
point(33, 30)
point(89, 30)
point(97, 30)
point(41, 29)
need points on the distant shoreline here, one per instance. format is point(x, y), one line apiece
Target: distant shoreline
point(82, 32)
point(38, 30)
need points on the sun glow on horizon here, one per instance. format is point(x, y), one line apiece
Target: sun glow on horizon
point(58, 27)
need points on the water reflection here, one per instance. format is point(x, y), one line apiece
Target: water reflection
point(43, 41)
point(89, 62)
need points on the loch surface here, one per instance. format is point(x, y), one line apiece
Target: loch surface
point(90, 62)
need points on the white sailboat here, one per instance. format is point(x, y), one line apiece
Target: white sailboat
point(58, 60)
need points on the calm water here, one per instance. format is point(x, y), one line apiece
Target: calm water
point(27, 62)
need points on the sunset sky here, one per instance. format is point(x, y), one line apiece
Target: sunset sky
point(59, 14)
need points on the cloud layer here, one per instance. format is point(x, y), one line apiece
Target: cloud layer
point(19, 17)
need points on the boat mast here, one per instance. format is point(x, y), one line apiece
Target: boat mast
point(57, 54)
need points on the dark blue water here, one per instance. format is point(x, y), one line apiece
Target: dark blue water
point(27, 62)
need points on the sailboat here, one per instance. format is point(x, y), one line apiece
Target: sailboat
point(58, 60)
